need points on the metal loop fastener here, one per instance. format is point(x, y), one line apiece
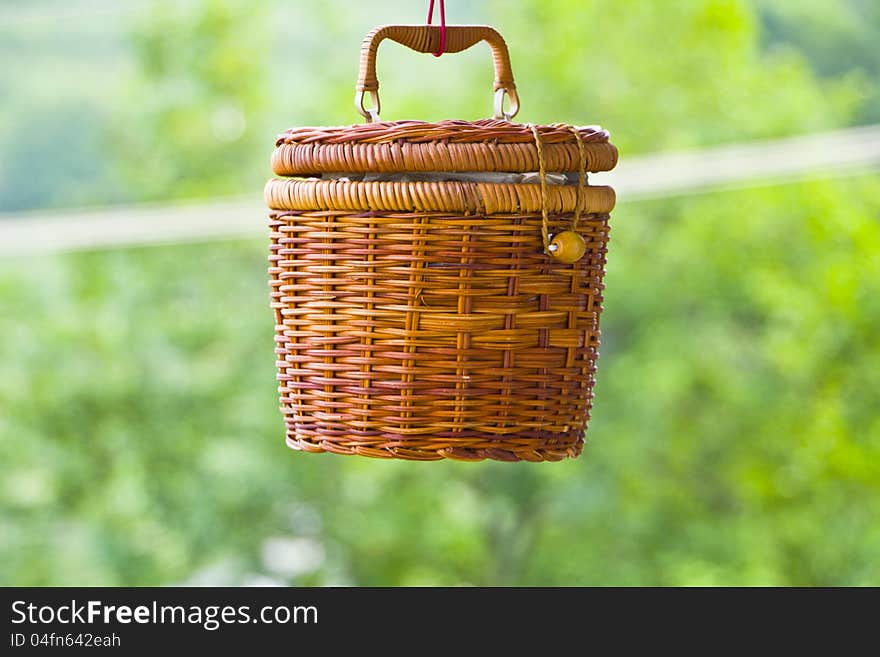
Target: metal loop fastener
point(371, 114)
point(499, 103)
point(427, 39)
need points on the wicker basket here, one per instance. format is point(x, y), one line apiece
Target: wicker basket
point(437, 286)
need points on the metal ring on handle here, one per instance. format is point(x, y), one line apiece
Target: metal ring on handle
point(426, 38)
point(370, 114)
point(499, 103)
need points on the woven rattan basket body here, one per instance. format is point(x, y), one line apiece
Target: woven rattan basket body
point(420, 311)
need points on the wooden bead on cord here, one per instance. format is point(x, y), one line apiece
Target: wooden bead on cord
point(567, 247)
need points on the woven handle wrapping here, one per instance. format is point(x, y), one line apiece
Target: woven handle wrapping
point(426, 38)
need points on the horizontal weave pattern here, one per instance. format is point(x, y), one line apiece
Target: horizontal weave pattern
point(423, 320)
point(305, 158)
point(479, 198)
point(486, 131)
point(416, 146)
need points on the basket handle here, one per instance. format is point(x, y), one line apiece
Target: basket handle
point(426, 38)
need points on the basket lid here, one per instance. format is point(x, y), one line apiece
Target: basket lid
point(490, 145)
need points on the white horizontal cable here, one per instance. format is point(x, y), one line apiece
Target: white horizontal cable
point(820, 155)
point(140, 225)
point(823, 155)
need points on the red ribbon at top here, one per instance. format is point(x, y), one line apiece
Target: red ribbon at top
point(442, 25)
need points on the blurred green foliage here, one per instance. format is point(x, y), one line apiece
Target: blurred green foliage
point(838, 39)
point(195, 104)
point(736, 432)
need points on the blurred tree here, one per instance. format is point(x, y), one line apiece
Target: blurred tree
point(55, 107)
point(839, 39)
point(675, 74)
point(195, 120)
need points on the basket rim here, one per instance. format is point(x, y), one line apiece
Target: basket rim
point(440, 197)
point(454, 146)
point(497, 131)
